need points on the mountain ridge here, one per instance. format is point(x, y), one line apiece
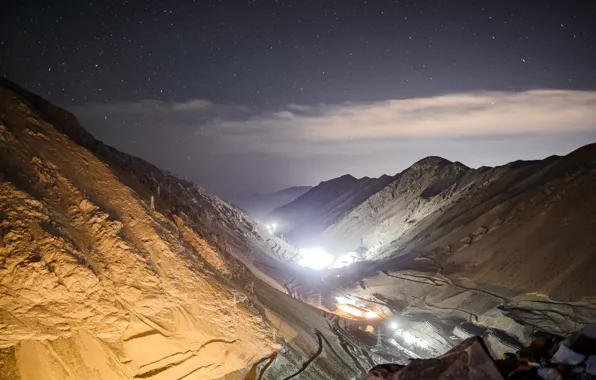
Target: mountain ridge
point(503, 251)
point(260, 205)
point(335, 196)
point(111, 268)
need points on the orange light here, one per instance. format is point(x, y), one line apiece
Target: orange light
point(356, 311)
point(350, 310)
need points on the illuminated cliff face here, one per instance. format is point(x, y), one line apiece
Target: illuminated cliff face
point(95, 283)
point(88, 267)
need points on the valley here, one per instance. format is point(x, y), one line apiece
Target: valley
point(111, 268)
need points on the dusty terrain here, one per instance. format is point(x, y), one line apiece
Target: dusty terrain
point(453, 251)
point(95, 283)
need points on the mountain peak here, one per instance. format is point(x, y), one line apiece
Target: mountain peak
point(344, 178)
point(433, 161)
point(436, 162)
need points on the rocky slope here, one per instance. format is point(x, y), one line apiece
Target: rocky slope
point(453, 251)
point(98, 283)
point(396, 207)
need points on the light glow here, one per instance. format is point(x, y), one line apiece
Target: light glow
point(349, 306)
point(316, 258)
point(371, 314)
point(411, 339)
point(350, 310)
point(345, 300)
point(271, 228)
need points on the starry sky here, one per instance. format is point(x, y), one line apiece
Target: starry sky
point(263, 94)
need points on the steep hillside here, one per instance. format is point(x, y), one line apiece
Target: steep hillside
point(259, 206)
point(111, 268)
point(313, 212)
point(501, 251)
point(396, 207)
point(99, 281)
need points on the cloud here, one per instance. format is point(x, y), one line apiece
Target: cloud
point(231, 146)
point(329, 129)
point(192, 105)
point(458, 115)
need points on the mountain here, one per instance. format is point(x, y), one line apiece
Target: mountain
point(314, 211)
point(259, 206)
point(395, 207)
point(451, 251)
point(111, 268)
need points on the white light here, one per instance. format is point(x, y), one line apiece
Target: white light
point(371, 314)
point(316, 258)
point(411, 339)
point(393, 325)
point(345, 300)
point(344, 261)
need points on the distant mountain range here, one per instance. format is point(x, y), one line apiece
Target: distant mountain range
point(380, 213)
point(259, 206)
point(324, 204)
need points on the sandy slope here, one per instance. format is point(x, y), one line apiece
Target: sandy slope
point(86, 264)
point(96, 284)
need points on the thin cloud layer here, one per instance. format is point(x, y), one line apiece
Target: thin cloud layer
point(223, 144)
point(460, 115)
point(354, 128)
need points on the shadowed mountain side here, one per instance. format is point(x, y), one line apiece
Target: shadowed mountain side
point(259, 206)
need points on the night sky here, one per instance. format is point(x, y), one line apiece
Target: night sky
point(260, 95)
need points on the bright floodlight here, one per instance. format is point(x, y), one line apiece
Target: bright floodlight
point(393, 325)
point(315, 258)
point(345, 300)
point(371, 314)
